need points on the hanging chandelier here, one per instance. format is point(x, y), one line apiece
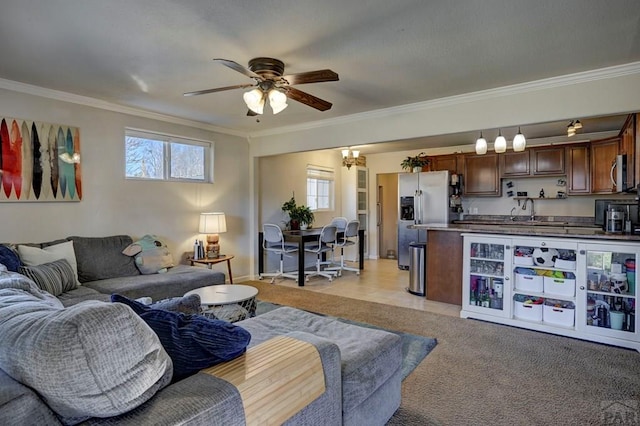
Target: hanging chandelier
point(349, 157)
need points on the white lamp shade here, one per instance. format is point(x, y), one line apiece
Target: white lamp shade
point(254, 100)
point(500, 145)
point(345, 153)
point(212, 223)
point(519, 142)
point(356, 154)
point(277, 100)
point(481, 146)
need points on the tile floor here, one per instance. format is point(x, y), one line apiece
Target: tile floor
point(381, 281)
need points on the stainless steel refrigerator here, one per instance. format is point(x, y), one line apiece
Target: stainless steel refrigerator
point(423, 198)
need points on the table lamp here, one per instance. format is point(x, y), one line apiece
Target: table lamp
point(212, 224)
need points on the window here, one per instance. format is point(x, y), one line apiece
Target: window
point(320, 191)
point(155, 156)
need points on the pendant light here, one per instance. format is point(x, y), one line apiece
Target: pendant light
point(500, 145)
point(481, 145)
point(519, 142)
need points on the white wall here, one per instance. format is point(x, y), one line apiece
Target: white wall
point(112, 205)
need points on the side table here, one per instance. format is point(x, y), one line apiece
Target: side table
point(227, 302)
point(210, 262)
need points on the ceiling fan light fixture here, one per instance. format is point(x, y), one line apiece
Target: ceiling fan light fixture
point(481, 145)
point(254, 100)
point(519, 142)
point(500, 144)
point(277, 100)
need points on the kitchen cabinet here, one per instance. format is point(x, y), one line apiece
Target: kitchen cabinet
point(446, 162)
point(355, 204)
point(481, 175)
point(603, 155)
point(578, 288)
point(578, 169)
point(628, 147)
point(444, 266)
point(516, 164)
point(547, 161)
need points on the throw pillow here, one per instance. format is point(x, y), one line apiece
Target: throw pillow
point(152, 255)
point(93, 359)
point(113, 263)
point(9, 258)
point(193, 342)
point(55, 277)
point(187, 304)
point(31, 256)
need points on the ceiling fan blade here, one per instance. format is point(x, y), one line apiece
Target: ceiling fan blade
point(219, 89)
point(307, 99)
point(311, 77)
point(237, 67)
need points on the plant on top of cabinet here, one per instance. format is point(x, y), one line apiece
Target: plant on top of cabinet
point(412, 163)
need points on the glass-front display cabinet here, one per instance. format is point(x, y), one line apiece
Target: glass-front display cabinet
point(484, 278)
point(609, 291)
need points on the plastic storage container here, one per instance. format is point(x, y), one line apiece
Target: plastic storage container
point(528, 281)
point(559, 312)
point(527, 307)
point(560, 286)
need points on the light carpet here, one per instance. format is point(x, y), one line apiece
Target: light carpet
point(487, 374)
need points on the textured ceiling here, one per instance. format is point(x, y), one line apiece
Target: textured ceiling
point(147, 53)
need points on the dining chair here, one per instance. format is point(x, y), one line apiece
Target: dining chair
point(322, 246)
point(273, 241)
point(349, 238)
point(339, 222)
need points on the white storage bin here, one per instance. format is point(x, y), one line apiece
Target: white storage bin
point(558, 316)
point(559, 286)
point(565, 264)
point(529, 312)
point(529, 283)
point(523, 260)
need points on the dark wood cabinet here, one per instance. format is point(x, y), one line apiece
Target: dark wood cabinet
point(578, 169)
point(516, 164)
point(446, 162)
point(547, 161)
point(628, 147)
point(444, 266)
point(603, 155)
point(482, 175)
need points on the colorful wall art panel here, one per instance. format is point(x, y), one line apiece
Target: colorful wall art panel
point(39, 161)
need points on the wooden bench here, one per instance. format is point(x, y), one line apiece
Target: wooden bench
point(276, 379)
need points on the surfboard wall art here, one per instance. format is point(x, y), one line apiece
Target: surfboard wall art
point(39, 161)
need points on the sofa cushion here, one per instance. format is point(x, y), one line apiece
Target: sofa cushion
point(82, 294)
point(31, 256)
point(93, 359)
point(192, 341)
point(176, 282)
point(9, 258)
point(55, 277)
point(152, 256)
point(101, 258)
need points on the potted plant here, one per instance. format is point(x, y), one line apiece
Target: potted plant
point(415, 163)
point(299, 216)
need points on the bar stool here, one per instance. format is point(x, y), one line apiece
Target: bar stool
point(274, 242)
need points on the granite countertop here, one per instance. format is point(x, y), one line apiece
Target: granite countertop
point(567, 227)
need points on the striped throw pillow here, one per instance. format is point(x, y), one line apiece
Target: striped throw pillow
point(55, 277)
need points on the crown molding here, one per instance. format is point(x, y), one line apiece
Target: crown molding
point(58, 95)
point(515, 89)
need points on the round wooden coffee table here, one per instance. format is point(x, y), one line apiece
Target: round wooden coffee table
point(227, 302)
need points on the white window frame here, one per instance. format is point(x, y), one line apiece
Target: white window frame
point(167, 140)
point(321, 173)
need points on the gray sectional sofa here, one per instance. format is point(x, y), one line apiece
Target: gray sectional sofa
point(93, 363)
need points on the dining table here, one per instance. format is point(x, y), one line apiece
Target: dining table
point(301, 237)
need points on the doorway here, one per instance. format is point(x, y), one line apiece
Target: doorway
point(387, 215)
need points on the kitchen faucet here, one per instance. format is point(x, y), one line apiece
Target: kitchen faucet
point(533, 213)
point(512, 217)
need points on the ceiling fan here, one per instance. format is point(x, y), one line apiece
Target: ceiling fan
point(270, 83)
